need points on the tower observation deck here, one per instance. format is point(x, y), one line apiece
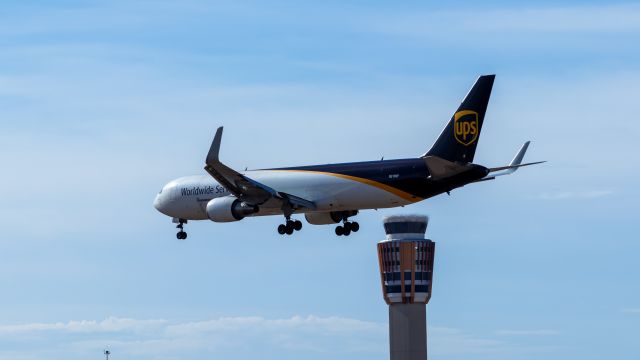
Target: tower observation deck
point(406, 273)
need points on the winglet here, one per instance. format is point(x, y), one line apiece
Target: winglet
point(515, 163)
point(214, 150)
point(517, 160)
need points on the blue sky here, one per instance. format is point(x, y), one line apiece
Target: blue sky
point(104, 102)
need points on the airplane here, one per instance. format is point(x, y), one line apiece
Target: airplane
point(334, 193)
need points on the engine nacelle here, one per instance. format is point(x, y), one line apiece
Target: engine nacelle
point(321, 218)
point(327, 218)
point(228, 209)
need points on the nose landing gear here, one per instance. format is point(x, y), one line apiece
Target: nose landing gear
point(181, 235)
point(289, 227)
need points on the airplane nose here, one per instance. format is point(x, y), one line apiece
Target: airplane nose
point(157, 203)
point(162, 202)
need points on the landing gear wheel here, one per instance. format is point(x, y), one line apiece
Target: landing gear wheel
point(297, 225)
point(289, 228)
point(339, 230)
point(181, 235)
point(355, 226)
point(347, 228)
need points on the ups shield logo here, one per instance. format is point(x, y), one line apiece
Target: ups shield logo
point(465, 127)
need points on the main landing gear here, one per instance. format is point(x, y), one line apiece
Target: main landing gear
point(289, 227)
point(181, 235)
point(347, 228)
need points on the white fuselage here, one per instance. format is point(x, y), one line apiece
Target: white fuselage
point(187, 197)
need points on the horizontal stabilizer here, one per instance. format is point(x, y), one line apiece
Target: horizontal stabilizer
point(513, 168)
point(515, 163)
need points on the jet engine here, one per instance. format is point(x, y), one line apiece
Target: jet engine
point(326, 218)
point(229, 208)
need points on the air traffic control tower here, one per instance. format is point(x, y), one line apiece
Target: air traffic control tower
point(406, 273)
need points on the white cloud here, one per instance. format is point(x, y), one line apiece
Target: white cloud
point(110, 324)
point(631, 310)
point(604, 18)
point(539, 332)
point(159, 338)
point(448, 341)
point(329, 324)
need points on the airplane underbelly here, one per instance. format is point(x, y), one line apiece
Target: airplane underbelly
point(330, 192)
point(363, 196)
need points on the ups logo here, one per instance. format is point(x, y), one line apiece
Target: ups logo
point(465, 127)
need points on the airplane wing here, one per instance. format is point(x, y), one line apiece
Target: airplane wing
point(245, 188)
point(515, 164)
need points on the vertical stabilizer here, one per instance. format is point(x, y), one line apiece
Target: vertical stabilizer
point(458, 140)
